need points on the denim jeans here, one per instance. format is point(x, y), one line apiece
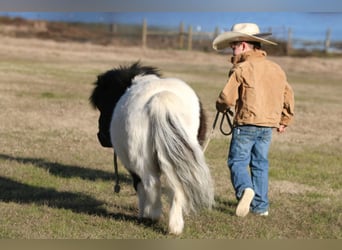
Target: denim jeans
point(249, 147)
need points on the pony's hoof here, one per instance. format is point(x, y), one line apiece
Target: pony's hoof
point(175, 232)
point(176, 228)
point(117, 188)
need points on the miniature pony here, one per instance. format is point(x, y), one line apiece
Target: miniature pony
point(156, 126)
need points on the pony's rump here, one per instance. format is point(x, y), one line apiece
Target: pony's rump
point(179, 154)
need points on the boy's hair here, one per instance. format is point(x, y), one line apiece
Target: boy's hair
point(256, 45)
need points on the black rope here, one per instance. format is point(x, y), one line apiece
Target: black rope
point(225, 115)
point(117, 185)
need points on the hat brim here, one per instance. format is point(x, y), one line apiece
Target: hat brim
point(224, 40)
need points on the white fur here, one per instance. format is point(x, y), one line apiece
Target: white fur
point(148, 146)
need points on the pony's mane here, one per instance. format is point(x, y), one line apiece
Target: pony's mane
point(115, 82)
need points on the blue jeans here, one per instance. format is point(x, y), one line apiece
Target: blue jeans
point(249, 147)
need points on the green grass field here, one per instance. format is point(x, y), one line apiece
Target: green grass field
point(56, 181)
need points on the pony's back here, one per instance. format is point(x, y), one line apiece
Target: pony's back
point(131, 125)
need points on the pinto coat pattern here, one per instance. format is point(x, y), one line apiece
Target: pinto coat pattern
point(155, 126)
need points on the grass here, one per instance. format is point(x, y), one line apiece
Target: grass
point(56, 181)
point(308, 167)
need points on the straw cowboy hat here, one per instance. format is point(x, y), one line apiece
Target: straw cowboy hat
point(248, 32)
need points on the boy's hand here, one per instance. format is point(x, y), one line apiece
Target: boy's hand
point(221, 107)
point(281, 128)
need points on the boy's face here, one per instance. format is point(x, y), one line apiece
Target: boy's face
point(239, 47)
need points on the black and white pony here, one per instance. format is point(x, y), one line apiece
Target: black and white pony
point(156, 126)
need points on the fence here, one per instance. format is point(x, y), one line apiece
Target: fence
point(162, 37)
point(158, 37)
point(181, 34)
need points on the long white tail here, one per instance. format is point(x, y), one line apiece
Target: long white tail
point(179, 155)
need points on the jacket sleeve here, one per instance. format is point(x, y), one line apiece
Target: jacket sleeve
point(230, 93)
point(288, 107)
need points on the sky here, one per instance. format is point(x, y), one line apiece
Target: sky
point(172, 5)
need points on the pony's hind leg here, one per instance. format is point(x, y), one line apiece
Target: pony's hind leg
point(149, 192)
point(141, 199)
point(176, 221)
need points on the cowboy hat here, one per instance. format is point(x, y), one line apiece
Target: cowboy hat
point(248, 32)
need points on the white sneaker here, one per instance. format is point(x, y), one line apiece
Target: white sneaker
point(263, 213)
point(245, 202)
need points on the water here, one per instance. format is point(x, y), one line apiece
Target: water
point(304, 25)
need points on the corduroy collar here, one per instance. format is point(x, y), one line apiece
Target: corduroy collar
point(255, 53)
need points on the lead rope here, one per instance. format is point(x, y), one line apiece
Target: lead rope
point(226, 114)
point(116, 174)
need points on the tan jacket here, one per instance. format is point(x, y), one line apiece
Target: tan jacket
point(258, 89)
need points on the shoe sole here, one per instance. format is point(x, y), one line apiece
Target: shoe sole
point(243, 207)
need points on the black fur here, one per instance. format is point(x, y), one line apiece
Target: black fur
point(109, 87)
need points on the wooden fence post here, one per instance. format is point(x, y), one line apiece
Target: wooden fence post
point(144, 33)
point(113, 28)
point(289, 42)
point(190, 38)
point(327, 41)
point(181, 35)
point(216, 32)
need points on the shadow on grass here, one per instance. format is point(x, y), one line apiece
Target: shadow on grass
point(68, 171)
point(225, 206)
point(13, 191)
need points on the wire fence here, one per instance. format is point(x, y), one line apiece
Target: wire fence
point(188, 38)
point(157, 37)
